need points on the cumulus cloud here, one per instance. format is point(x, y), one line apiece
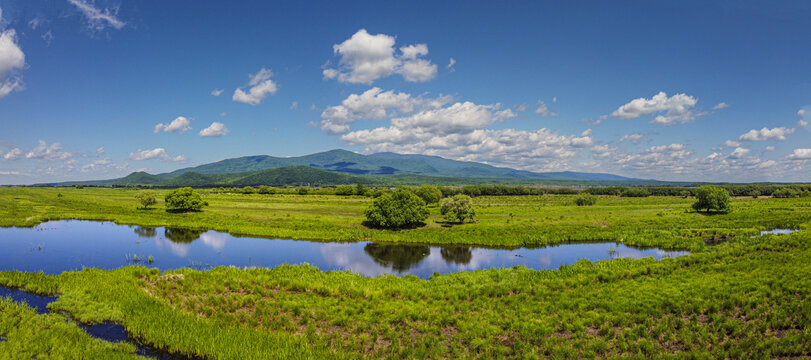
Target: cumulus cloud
point(776, 134)
point(800, 154)
point(374, 104)
point(602, 151)
point(635, 138)
point(732, 143)
point(451, 63)
point(543, 110)
point(13, 154)
point(156, 153)
point(214, 130)
point(801, 112)
point(12, 61)
point(103, 166)
point(179, 125)
point(260, 86)
point(99, 151)
point(217, 92)
point(802, 123)
point(721, 105)
point(738, 153)
point(769, 148)
point(98, 19)
point(51, 152)
point(365, 58)
point(674, 109)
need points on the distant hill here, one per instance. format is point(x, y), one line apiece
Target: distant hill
point(345, 167)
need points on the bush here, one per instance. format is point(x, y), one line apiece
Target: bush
point(786, 193)
point(80, 186)
point(635, 192)
point(685, 194)
point(302, 190)
point(247, 190)
point(360, 189)
point(397, 209)
point(264, 189)
point(754, 194)
point(184, 199)
point(429, 193)
point(585, 199)
point(459, 207)
point(712, 198)
point(147, 197)
point(344, 190)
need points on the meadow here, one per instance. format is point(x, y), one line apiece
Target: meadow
point(742, 297)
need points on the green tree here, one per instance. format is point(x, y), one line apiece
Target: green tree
point(585, 199)
point(247, 190)
point(360, 189)
point(147, 197)
point(302, 190)
point(264, 189)
point(635, 192)
point(711, 197)
point(457, 208)
point(397, 209)
point(429, 193)
point(184, 199)
point(786, 193)
point(344, 190)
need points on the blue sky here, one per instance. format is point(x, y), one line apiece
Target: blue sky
point(711, 91)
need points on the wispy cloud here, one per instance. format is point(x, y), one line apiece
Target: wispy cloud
point(98, 19)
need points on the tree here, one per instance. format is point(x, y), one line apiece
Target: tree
point(344, 190)
point(635, 192)
point(247, 190)
point(397, 209)
point(585, 199)
point(786, 193)
point(302, 190)
point(147, 197)
point(458, 207)
point(264, 189)
point(429, 193)
point(711, 197)
point(360, 189)
point(184, 199)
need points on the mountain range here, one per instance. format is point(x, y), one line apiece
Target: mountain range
point(346, 167)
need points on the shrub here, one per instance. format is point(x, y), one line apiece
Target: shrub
point(754, 194)
point(360, 189)
point(429, 193)
point(247, 190)
point(184, 199)
point(264, 189)
point(459, 207)
point(635, 192)
point(397, 209)
point(786, 193)
point(147, 197)
point(711, 197)
point(302, 190)
point(344, 190)
point(585, 199)
point(685, 194)
point(80, 186)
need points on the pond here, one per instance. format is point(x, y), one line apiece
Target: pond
point(57, 246)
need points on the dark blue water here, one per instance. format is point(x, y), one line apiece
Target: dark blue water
point(58, 246)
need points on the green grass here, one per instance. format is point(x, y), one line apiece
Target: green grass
point(746, 298)
point(508, 221)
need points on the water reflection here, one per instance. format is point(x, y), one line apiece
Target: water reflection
point(60, 246)
point(399, 258)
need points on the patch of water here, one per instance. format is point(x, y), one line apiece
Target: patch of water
point(778, 232)
point(58, 246)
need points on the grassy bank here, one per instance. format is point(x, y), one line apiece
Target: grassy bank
point(502, 221)
point(746, 298)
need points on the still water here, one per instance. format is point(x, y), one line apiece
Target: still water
point(58, 246)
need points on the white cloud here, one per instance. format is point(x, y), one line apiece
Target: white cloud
point(294, 105)
point(451, 63)
point(51, 152)
point(156, 153)
point(635, 138)
point(721, 105)
point(801, 112)
point(800, 154)
point(365, 58)
point(374, 104)
point(738, 153)
point(217, 92)
point(99, 151)
point(179, 124)
point(602, 151)
point(732, 143)
point(521, 108)
point(777, 134)
point(260, 87)
point(12, 61)
point(14, 154)
point(98, 19)
point(769, 148)
point(676, 109)
point(543, 110)
point(222, 114)
point(12, 173)
point(103, 166)
point(214, 130)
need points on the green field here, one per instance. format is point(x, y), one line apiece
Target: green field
point(746, 297)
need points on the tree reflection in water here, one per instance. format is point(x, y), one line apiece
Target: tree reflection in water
point(182, 235)
point(142, 231)
point(457, 255)
point(399, 257)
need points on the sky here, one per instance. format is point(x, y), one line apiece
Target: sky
point(677, 91)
